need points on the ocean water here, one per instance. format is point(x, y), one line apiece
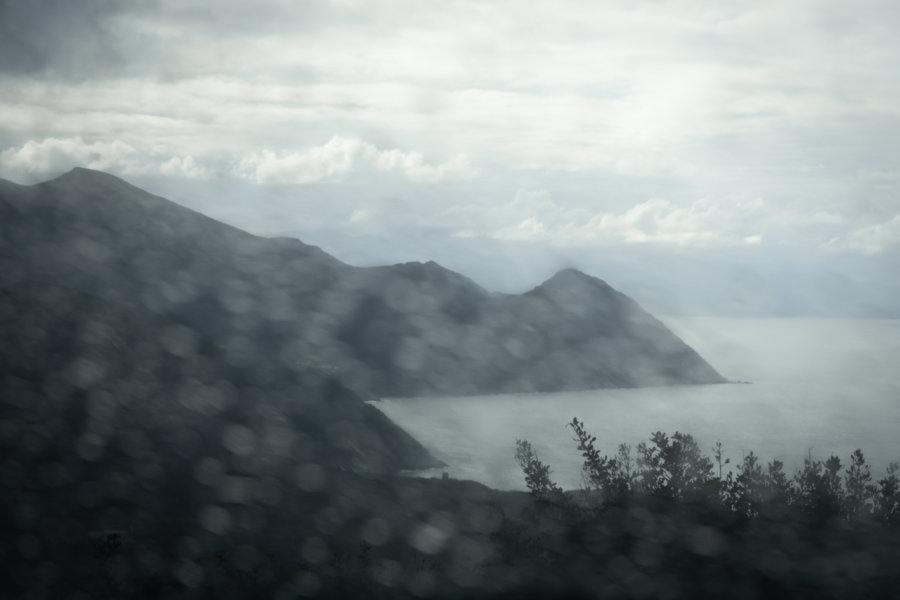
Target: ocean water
point(816, 387)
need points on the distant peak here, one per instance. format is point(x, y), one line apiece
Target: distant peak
point(83, 174)
point(570, 277)
point(83, 179)
point(79, 172)
point(419, 266)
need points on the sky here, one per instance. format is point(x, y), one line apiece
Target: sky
point(731, 158)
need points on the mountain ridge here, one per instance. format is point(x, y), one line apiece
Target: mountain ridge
point(407, 329)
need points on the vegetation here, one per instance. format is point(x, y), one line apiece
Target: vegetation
point(675, 469)
point(660, 521)
point(670, 521)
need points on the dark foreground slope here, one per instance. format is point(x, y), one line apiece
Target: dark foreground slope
point(132, 451)
point(411, 329)
point(77, 370)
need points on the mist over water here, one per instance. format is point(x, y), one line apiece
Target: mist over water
point(819, 386)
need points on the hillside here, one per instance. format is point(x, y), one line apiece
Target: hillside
point(84, 368)
point(410, 329)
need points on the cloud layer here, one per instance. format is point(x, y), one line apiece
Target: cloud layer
point(766, 126)
point(56, 155)
point(342, 156)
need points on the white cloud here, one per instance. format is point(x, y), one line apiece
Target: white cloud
point(413, 165)
point(531, 229)
point(320, 162)
point(656, 221)
point(56, 155)
point(61, 154)
point(871, 239)
point(359, 215)
point(183, 166)
point(341, 156)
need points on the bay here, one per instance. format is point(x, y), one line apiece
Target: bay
point(816, 387)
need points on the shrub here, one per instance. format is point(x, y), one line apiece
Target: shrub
point(537, 474)
point(886, 498)
point(674, 469)
point(614, 477)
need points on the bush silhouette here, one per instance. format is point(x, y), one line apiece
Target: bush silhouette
point(673, 522)
point(672, 468)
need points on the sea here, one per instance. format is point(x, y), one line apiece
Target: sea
point(810, 388)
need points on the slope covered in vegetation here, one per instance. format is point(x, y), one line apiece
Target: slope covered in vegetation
point(672, 521)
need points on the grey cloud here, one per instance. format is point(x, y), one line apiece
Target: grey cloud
point(239, 18)
point(59, 37)
point(77, 41)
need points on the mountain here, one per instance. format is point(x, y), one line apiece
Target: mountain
point(82, 366)
point(409, 329)
point(104, 290)
point(182, 404)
